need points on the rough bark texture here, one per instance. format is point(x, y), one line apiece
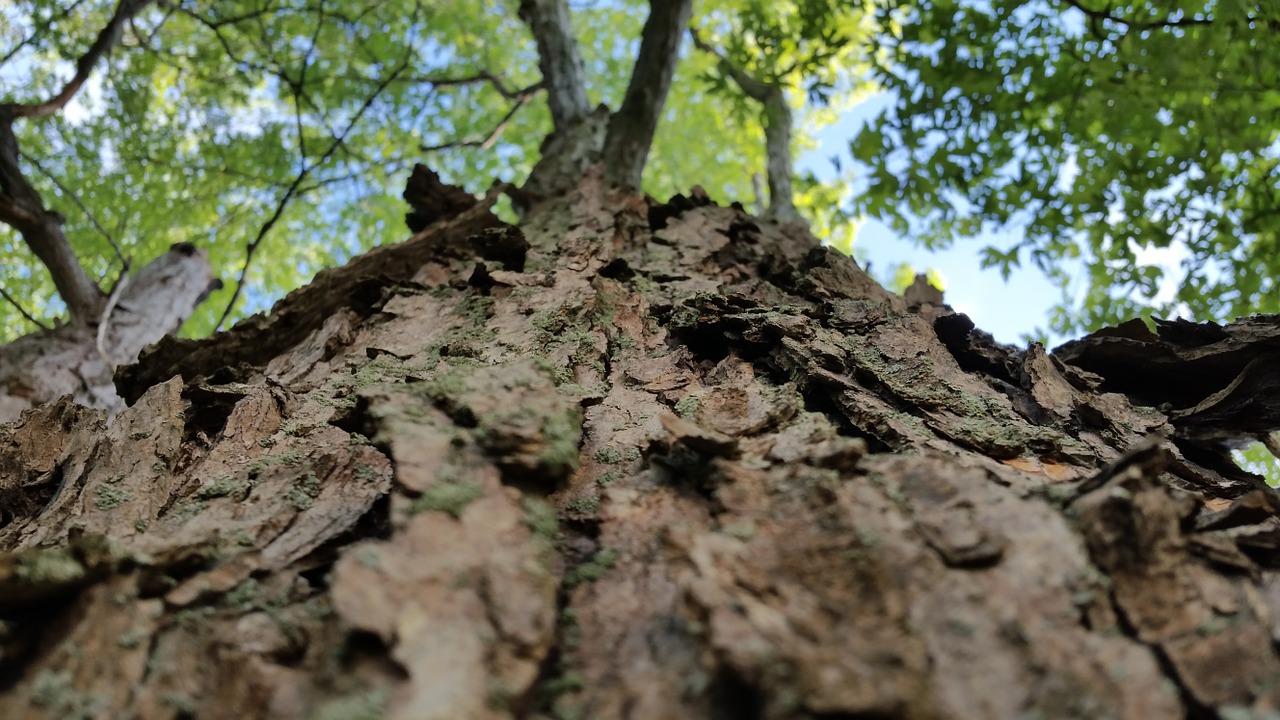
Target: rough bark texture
point(628, 460)
point(80, 360)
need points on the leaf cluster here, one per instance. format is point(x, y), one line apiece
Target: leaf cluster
point(1103, 130)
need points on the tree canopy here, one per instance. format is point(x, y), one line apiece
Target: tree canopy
point(1101, 128)
point(278, 133)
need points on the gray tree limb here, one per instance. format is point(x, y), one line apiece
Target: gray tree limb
point(631, 129)
point(558, 59)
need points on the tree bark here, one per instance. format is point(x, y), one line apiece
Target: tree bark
point(628, 460)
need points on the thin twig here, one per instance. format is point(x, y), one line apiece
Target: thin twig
point(1136, 25)
point(483, 76)
point(487, 141)
point(40, 30)
point(297, 183)
point(76, 199)
point(21, 310)
point(299, 89)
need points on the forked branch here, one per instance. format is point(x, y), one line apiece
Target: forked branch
point(777, 131)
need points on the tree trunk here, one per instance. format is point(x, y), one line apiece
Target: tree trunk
point(628, 460)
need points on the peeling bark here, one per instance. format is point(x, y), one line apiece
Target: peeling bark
point(628, 460)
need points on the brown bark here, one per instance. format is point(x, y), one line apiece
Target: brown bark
point(628, 460)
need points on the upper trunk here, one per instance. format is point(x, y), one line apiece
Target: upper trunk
point(776, 492)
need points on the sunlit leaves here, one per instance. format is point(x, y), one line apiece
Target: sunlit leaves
point(1105, 133)
point(205, 117)
point(904, 274)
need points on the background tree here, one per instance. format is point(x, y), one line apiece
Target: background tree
point(278, 135)
point(1100, 128)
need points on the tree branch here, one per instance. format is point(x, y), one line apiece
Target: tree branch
point(482, 76)
point(777, 132)
point(93, 219)
point(295, 186)
point(1155, 25)
point(20, 204)
point(22, 208)
point(489, 139)
point(558, 59)
point(631, 129)
point(106, 39)
point(22, 311)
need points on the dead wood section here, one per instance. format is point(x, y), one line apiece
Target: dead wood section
point(105, 330)
point(627, 460)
